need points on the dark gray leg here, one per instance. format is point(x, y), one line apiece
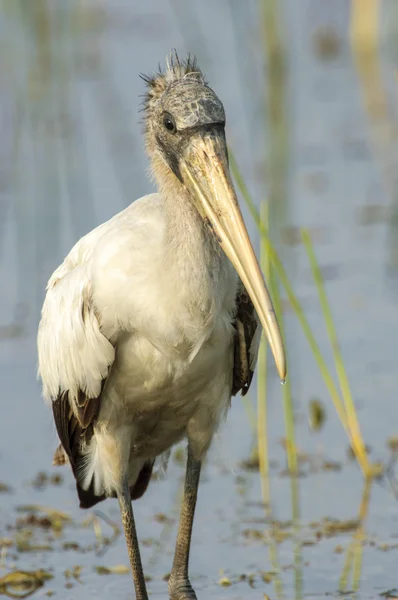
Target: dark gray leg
point(126, 511)
point(179, 585)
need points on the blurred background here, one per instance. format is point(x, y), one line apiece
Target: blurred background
point(310, 91)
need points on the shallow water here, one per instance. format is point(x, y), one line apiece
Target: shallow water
point(71, 156)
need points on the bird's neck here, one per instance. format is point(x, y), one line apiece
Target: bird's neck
point(192, 253)
point(188, 237)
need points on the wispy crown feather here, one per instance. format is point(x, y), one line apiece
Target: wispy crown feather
point(176, 70)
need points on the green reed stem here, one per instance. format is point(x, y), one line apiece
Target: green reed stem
point(294, 301)
point(357, 566)
point(298, 562)
point(262, 427)
point(346, 568)
point(291, 449)
point(349, 406)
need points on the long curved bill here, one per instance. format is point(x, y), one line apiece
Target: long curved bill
point(205, 173)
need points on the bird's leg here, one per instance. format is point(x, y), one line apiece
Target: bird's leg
point(126, 511)
point(179, 584)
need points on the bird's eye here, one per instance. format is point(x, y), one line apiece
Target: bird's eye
point(169, 123)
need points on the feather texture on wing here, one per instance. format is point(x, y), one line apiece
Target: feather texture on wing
point(74, 362)
point(247, 342)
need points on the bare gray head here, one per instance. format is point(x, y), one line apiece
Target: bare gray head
point(178, 105)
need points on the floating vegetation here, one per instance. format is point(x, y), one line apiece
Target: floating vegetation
point(52, 513)
point(179, 456)
point(5, 489)
point(102, 541)
point(163, 519)
point(316, 414)
point(326, 43)
point(42, 516)
point(225, 581)
point(44, 479)
point(392, 443)
point(73, 575)
point(372, 214)
point(116, 570)
point(250, 578)
point(307, 535)
point(332, 527)
point(21, 584)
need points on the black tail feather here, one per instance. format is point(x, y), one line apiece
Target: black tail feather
point(72, 434)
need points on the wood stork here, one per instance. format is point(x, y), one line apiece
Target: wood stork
point(150, 324)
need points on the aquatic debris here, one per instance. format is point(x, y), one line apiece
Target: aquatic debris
point(268, 576)
point(386, 547)
point(330, 465)
point(51, 512)
point(48, 519)
point(332, 527)
point(392, 443)
point(5, 489)
point(179, 456)
point(389, 594)
point(253, 462)
point(116, 570)
point(74, 573)
point(250, 578)
point(21, 584)
point(72, 546)
point(316, 414)
point(316, 181)
point(351, 454)
point(149, 542)
point(291, 236)
point(372, 214)
point(278, 532)
point(23, 544)
point(162, 518)
point(33, 520)
point(226, 581)
point(44, 479)
point(326, 43)
point(102, 541)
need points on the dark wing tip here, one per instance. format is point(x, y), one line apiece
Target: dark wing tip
point(246, 324)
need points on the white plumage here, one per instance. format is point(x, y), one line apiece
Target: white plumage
point(171, 326)
point(147, 330)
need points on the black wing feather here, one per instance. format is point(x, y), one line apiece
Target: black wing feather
point(74, 431)
point(246, 323)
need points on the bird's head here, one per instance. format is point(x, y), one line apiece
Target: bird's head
point(179, 108)
point(185, 140)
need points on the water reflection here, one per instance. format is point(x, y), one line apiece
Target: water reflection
point(318, 138)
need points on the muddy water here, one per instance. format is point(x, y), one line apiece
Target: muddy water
point(71, 156)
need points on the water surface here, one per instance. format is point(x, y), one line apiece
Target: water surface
point(71, 155)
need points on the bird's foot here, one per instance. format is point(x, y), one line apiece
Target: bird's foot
point(181, 589)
